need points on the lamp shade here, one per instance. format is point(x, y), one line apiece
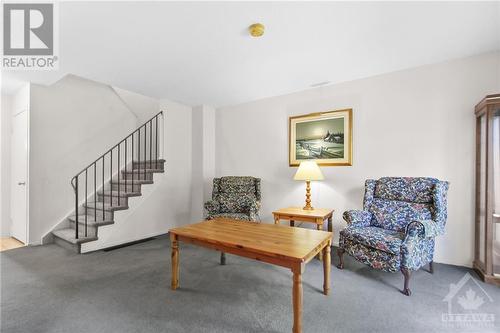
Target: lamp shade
point(308, 170)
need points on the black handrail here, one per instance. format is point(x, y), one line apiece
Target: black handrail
point(92, 167)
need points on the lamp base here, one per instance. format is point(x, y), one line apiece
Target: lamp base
point(308, 196)
point(307, 207)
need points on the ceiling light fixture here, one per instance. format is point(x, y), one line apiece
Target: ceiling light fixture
point(256, 29)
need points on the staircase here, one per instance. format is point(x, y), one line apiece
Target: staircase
point(105, 186)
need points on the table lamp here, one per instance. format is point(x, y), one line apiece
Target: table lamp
point(308, 170)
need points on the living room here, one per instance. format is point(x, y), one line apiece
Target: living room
point(251, 167)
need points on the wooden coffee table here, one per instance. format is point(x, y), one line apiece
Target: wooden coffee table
point(274, 244)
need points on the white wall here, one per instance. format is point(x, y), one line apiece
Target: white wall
point(139, 105)
point(72, 122)
point(417, 122)
point(166, 203)
point(203, 158)
point(5, 131)
point(209, 146)
point(197, 163)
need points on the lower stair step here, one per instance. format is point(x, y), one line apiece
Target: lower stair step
point(99, 209)
point(69, 236)
point(99, 206)
point(114, 193)
point(135, 181)
point(90, 220)
point(138, 172)
point(158, 164)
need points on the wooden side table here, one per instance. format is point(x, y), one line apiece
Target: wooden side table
point(316, 216)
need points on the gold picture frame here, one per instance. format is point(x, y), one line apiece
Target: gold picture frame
point(325, 137)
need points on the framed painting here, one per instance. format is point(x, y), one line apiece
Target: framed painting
point(324, 137)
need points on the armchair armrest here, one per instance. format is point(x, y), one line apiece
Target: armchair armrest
point(423, 229)
point(357, 218)
point(212, 207)
point(254, 210)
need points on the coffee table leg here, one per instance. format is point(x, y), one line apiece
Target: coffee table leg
point(297, 300)
point(276, 219)
point(326, 269)
point(175, 261)
point(292, 223)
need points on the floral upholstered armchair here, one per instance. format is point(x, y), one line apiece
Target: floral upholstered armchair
point(234, 197)
point(395, 231)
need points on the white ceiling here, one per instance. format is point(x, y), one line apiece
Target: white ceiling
point(200, 53)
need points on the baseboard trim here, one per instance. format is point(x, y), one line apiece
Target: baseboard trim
point(116, 247)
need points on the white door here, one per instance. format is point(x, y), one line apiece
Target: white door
point(19, 170)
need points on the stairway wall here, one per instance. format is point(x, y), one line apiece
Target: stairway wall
point(72, 122)
point(143, 107)
point(167, 202)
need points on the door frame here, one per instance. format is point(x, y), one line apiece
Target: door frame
point(23, 107)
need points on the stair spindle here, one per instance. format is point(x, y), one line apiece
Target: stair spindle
point(133, 167)
point(118, 172)
point(150, 143)
point(95, 191)
point(76, 206)
point(111, 176)
point(103, 193)
point(156, 142)
point(86, 196)
point(139, 153)
point(126, 175)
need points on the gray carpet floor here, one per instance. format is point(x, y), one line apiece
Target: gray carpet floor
point(50, 289)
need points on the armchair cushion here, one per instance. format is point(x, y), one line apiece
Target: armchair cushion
point(236, 202)
point(369, 256)
point(395, 215)
point(357, 218)
point(377, 238)
point(234, 184)
point(409, 189)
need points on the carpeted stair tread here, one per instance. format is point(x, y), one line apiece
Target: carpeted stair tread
point(90, 220)
point(69, 236)
point(114, 193)
point(107, 206)
point(140, 170)
point(160, 160)
point(135, 181)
